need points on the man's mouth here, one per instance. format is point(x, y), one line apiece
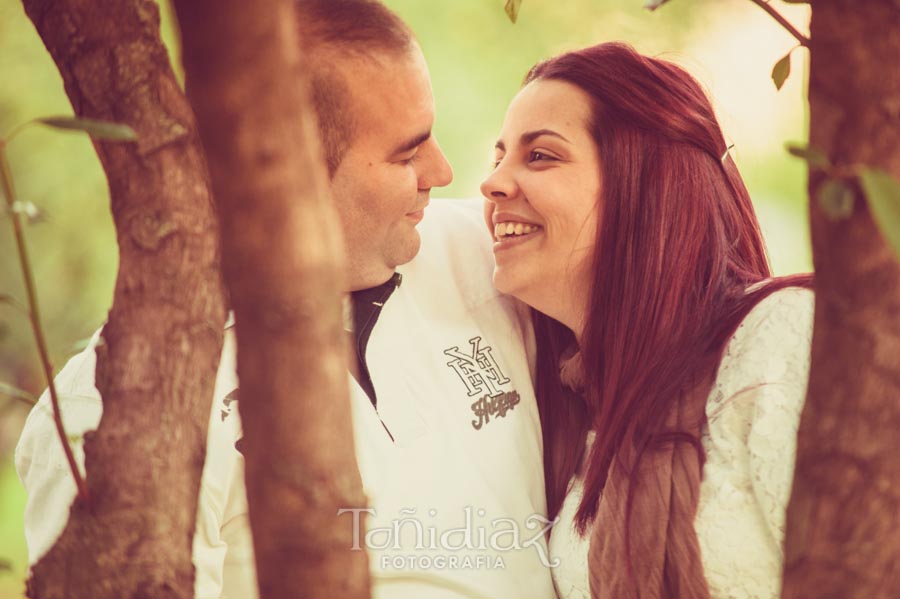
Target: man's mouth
point(419, 210)
point(510, 229)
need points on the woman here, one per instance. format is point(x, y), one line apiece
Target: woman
point(671, 366)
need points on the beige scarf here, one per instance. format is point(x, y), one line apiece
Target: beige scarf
point(665, 554)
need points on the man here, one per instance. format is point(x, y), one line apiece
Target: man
point(445, 424)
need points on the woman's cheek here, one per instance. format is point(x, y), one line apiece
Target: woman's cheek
point(488, 216)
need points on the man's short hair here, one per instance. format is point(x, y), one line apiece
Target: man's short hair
point(332, 30)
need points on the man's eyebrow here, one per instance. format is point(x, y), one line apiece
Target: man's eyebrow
point(530, 136)
point(411, 144)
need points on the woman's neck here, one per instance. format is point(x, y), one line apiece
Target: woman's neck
point(570, 309)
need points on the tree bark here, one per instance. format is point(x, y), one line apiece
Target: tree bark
point(156, 368)
point(843, 528)
point(285, 275)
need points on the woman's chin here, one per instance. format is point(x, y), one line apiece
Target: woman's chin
point(508, 282)
point(501, 281)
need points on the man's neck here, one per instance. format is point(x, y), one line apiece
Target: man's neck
point(360, 283)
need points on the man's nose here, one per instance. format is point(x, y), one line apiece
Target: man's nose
point(437, 171)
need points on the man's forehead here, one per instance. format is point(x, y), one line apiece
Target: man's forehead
point(352, 60)
point(390, 94)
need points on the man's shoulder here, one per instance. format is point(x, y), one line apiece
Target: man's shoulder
point(78, 395)
point(455, 221)
point(467, 208)
point(81, 405)
point(456, 251)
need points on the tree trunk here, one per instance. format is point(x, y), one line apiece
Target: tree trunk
point(843, 529)
point(157, 366)
point(284, 270)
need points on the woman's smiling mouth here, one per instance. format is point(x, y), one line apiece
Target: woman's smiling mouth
point(505, 231)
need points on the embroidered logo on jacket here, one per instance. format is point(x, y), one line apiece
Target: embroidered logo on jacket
point(481, 374)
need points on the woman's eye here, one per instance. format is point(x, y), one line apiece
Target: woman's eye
point(538, 156)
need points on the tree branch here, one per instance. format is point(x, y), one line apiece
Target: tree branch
point(284, 268)
point(763, 4)
point(35, 318)
point(842, 536)
point(162, 342)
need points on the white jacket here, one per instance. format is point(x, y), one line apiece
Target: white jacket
point(457, 496)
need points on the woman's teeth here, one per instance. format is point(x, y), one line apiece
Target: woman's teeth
point(502, 230)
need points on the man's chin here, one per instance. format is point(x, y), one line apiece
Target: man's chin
point(406, 249)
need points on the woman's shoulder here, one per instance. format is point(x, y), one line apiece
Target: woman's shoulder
point(790, 309)
point(771, 347)
point(753, 415)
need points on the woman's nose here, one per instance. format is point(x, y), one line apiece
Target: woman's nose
point(499, 185)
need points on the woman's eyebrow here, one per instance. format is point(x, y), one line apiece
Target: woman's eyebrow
point(529, 136)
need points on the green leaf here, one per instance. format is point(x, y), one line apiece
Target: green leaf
point(836, 199)
point(512, 9)
point(93, 127)
point(882, 191)
point(653, 4)
point(17, 393)
point(814, 157)
point(781, 70)
point(6, 298)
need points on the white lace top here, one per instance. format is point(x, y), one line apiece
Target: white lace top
point(750, 443)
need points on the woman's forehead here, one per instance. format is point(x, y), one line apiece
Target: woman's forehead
point(548, 104)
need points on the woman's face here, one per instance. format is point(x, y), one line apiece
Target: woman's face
point(542, 200)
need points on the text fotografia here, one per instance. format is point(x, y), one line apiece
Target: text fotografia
point(441, 562)
point(408, 533)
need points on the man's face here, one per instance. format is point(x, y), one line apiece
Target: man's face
point(381, 187)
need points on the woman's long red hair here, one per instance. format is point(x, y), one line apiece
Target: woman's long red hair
point(677, 248)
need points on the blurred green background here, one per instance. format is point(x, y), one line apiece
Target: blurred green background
point(477, 60)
